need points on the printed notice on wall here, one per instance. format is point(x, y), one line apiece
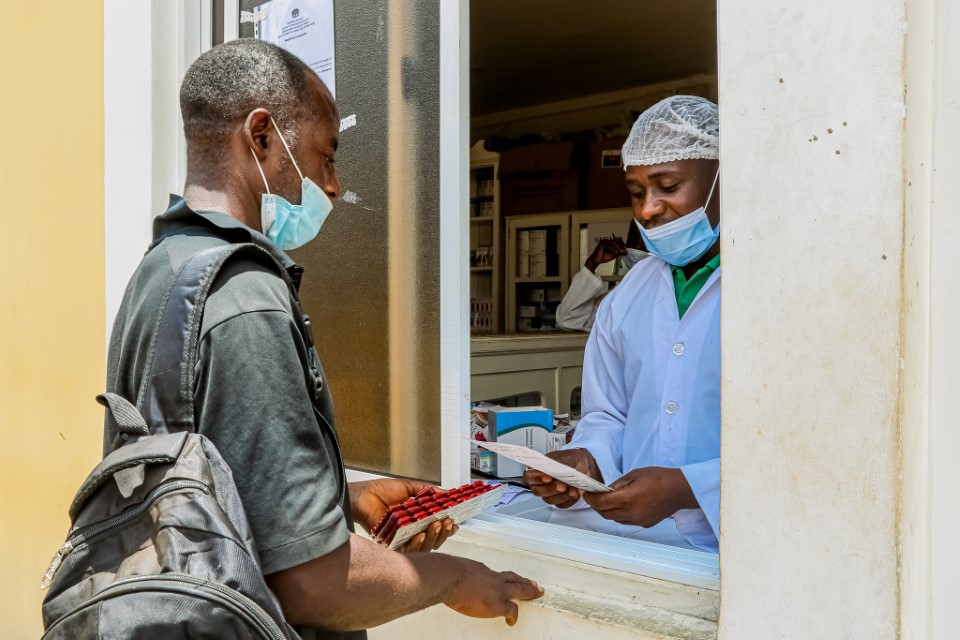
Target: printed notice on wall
point(305, 29)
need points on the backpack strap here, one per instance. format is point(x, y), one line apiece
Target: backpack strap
point(126, 416)
point(166, 393)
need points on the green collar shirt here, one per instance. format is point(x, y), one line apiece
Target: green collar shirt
point(687, 290)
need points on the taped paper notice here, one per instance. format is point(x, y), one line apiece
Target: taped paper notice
point(349, 121)
point(540, 462)
point(305, 29)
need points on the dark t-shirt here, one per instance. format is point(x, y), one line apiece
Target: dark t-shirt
point(254, 394)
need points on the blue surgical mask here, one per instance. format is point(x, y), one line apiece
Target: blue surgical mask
point(630, 259)
point(290, 226)
point(685, 239)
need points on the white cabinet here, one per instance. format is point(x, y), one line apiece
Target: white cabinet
point(544, 252)
point(537, 269)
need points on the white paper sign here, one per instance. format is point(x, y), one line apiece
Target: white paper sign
point(305, 29)
point(540, 462)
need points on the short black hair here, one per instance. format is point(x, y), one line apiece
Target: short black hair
point(226, 83)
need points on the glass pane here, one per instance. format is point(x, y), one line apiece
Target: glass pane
point(372, 276)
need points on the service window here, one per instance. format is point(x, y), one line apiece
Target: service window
point(435, 284)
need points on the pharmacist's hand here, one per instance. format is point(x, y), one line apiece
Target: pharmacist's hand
point(369, 501)
point(607, 249)
point(484, 593)
point(558, 493)
point(644, 497)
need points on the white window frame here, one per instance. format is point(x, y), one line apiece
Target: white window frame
point(149, 150)
point(681, 566)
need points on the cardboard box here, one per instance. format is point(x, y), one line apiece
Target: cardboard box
point(525, 426)
point(529, 311)
point(484, 235)
point(538, 265)
point(523, 265)
point(542, 157)
point(523, 241)
point(538, 241)
point(534, 295)
point(557, 191)
point(540, 178)
point(555, 442)
point(605, 174)
point(481, 460)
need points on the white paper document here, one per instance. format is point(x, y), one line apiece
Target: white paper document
point(540, 462)
point(305, 29)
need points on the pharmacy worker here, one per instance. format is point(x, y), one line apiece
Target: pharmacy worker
point(578, 309)
point(651, 382)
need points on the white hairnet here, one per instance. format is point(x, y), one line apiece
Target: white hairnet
point(676, 128)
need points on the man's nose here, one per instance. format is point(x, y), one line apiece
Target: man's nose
point(332, 188)
point(651, 209)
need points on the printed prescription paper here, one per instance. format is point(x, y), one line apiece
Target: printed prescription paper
point(540, 462)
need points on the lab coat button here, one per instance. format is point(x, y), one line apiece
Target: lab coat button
point(671, 407)
point(679, 349)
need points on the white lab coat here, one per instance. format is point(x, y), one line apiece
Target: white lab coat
point(651, 390)
point(578, 308)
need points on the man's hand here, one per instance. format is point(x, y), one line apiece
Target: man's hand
point(369, 501)
point(644, 497)
point(558, 493)
point(484, 593)
point(607, 249)
point(361, 584)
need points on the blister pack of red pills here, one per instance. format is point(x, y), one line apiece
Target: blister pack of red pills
point(405, 520)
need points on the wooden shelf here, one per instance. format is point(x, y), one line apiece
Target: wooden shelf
point(486, 282)
point(533, 280)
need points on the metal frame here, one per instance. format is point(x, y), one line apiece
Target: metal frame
point(454, 242)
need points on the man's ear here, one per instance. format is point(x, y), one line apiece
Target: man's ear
point(257, 132)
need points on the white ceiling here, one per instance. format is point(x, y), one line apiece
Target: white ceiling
point(525, 52)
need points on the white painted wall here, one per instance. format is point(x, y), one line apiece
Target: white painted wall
point(147, 47)
point(128, 141)
point(931, 441)
point(915, 575)
point(945, 314)
point(811, 155)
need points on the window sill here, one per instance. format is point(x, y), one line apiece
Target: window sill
point(668, 592)
point(608, 584)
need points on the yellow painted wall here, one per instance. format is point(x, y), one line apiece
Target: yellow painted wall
point(52, 331)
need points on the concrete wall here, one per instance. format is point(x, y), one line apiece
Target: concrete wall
point(839, 300)
point(52, 308)
point(812, 99)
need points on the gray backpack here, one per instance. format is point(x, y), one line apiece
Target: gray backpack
point(159, 545)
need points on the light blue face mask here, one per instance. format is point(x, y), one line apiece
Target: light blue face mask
point(290, 226)
point(630, 259)
point(685, 239)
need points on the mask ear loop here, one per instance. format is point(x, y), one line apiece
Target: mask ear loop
point(260, 169)
point(712, 187)
point(289, 153)
point(710, 197)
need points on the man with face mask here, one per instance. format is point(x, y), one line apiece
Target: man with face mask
point(262, 131)
point(578, 308)
point(651, 379)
